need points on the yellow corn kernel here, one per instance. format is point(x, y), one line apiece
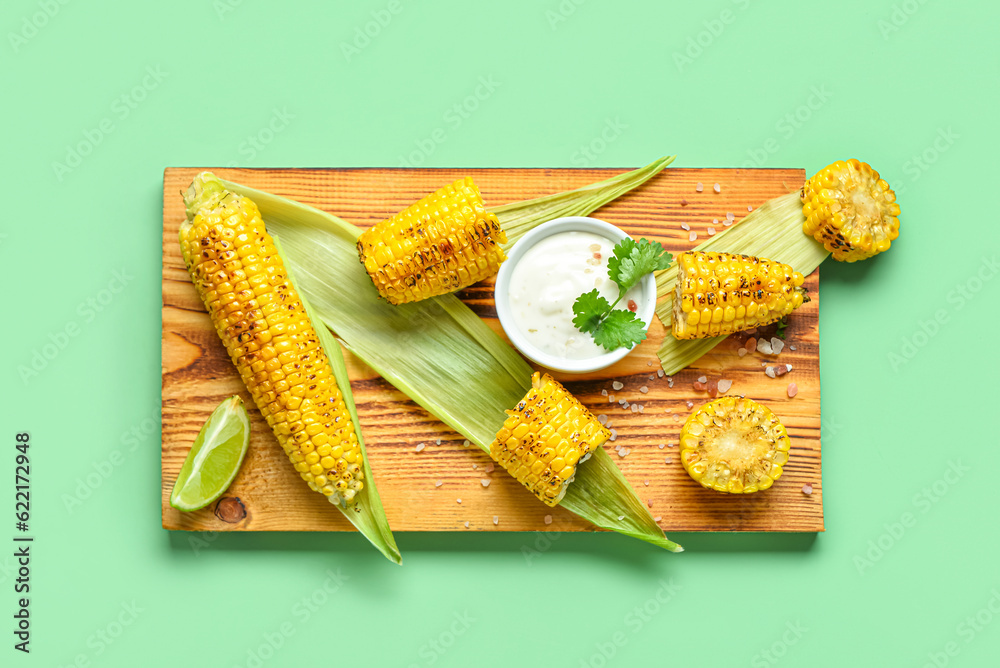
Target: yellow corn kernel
point(442, 243)
point(547, 435)
point(227, 251)
point(734, 445)
point(755, 292)
point(851, 210)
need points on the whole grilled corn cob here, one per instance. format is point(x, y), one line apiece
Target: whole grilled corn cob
point(543, 439)
point(261, 320)
point(444, 242)
point(850, 210)
point(720, 293)
point(734, 445)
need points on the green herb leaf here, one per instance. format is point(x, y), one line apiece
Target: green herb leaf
point(590, 308)
point(633, 259)
point(620, 329)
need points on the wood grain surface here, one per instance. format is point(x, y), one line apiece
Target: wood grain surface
point(197, 375)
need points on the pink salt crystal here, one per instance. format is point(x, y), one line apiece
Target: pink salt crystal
point(807, 489)
point(700, 387)
point(713, 388)
point(751, 345)
point(793, 389)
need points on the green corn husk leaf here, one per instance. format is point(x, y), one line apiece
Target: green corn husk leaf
point(366, 513)
point(773, 231)
point(436, 351)
point(518, 218)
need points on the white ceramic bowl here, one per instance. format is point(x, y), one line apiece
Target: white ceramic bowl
point(646, 303)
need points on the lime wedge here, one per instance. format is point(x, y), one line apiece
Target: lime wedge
point(215, 457)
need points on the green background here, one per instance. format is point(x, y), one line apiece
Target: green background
point(910, 87)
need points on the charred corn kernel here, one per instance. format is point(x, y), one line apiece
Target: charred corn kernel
point(547, 435)
point(279, 358)
point(734, 445)
point(444, 242)
point(719, 293)
point(850, 210)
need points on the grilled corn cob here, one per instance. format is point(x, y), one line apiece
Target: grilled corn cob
point(850, 210)
point(261, 320)
point(444, 242)
point(720, 293)
point(734, 445)
point(543, 439)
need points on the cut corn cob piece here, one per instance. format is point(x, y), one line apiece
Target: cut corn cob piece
point(545, 437)
point(721, 293)
point(734, 445)
point(443, 243)
point(850, 210)
point(262, 322)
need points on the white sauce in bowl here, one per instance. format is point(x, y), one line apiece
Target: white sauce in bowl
point(546, 281)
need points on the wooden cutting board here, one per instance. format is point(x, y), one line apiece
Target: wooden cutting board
point(197, 375)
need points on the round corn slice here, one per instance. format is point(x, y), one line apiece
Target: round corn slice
point(734, 445)
point(850, 210)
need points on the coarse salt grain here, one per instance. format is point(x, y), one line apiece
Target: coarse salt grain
point(604, 393)
point(649, 503)
point(420, 447)
point(661, 445)
point(651, 376)
point(641, 408)
point(437, 442)
point(699, 187)
point(749, 208)
point(618, 447)
point(711, 231)
point(792, 348)
point(717, 188)
point(807, 489)
point(547, 519)
point(649, 362)
point(742, 352)
point(617, 385)
point(689, 404)
point(466, 525)
point(602, 418)
point(657, 518)
point(729, 215)
point(485, 483)
point(724, 386)
point(622, 453)
point(793, 389)
point(646, 483)
point(727, 222)
point(644, 389)
point(438, 483)
point(496, 520)
point(465, 443)
point(764, 347)
point(702, 379)
point(621, 517)
point(777, 345)
point(769, 371)
point(659, 373)
point(489, 467)
point(692, 236)
point(685, 227)
point(788, 366)
point(611, 398)
point(614, 435)
point(667, 460)
point(459, 500)
point(475, 467)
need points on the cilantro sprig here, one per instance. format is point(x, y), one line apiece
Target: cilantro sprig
point(629, 262)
